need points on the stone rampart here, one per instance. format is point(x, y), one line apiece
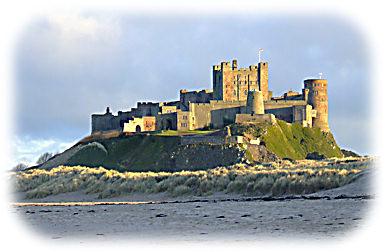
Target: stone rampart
point(248, 118)
point(215, 140)
point(214, 112)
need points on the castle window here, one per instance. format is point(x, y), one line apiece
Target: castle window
point(234, 92)
point(234, 82)
point(245, 82)
point(185, 117)
point(245, 92)
point(316, 92)
point(183, 124)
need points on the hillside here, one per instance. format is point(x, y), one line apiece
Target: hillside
point(292, 141)
point(146, 153)
point(164, 152)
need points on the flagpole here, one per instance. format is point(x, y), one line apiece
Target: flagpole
point(259, 55)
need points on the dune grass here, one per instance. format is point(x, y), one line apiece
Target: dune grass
point(278, 178)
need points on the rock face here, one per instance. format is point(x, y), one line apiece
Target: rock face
point(260, 153)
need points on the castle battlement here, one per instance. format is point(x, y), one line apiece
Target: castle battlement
point(232, 87)
point(147, 103)
point(184, 91)
point(225, 64)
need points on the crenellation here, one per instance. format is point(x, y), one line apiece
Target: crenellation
point(238, 95)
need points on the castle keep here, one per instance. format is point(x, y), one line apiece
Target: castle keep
point(239, 95)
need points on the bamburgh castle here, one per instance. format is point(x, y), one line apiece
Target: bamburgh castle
point(239, 95)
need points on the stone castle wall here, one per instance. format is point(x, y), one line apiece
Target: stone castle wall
point(186, 97)
point(248, 118)
point(214, 112)
point(317, 98)
point(108, 121)
point(146, 123)
point(233, 84)
point(211, 140)
point(217, 108)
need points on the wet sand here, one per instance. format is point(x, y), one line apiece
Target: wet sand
point(316, 219)
point(324, 215)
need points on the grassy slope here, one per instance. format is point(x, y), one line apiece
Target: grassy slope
point(292, 140)
point(139, 153)
point(295, 142)
point(156, 152)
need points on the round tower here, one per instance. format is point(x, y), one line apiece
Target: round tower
point(317, 98)
point(254, 103)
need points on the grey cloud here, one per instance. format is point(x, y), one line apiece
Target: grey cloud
point(154, 57)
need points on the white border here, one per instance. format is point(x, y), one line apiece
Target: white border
point(15, 14)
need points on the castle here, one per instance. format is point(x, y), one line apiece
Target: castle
point(239, 95)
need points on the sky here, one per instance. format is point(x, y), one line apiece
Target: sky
point(68, 66)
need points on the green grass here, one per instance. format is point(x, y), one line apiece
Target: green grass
point(295, 142)
point(163, 152)
point(292, 140)
point(134, 153)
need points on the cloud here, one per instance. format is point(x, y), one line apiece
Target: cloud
point(69, 41)
point(70, 66)
point(27, 149)
point(73, 27)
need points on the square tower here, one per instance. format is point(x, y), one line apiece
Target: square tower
point(233, 84)
point(263, 76)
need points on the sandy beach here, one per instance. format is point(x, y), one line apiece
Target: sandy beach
point(324, 215)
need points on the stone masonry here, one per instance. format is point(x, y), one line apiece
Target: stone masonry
point(238, 95)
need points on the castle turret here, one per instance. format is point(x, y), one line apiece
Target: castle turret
point(317, 98)
point(235, 64)
point(263, 79)
point(254, 104)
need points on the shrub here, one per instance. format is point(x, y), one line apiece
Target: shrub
point(180, 190)
point(43, 158)
point(315, 156)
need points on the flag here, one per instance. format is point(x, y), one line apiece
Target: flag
point(261, 50)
